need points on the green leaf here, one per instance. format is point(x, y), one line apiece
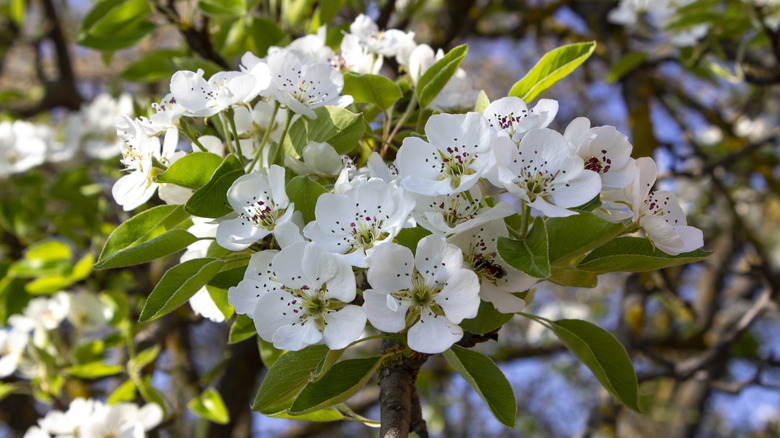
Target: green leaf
point(487, 380)
point(288, 376)
point(604, 355)
point(211, 199)
point(304, 192)
point(573, 277)
point(220, 298)
point(634, 254)
point(48, 250)
point(228, 277)
point(193, 170)
point(529, 255)
point(7, 389)
point(153, 67)
point(573, 236)
point(143, 359)
point(177, 285)
point(124, 393)
point(339, 127)
point(410, 237)
point(209, 405)
point(625, 65)
point(116, 24)
point(263, 34)
point(487, 319)
point(554, 66)
point(340, 383)
point(268, 353)
point(328, 414)
point(221, 8)
point(436, 77)
point(482, 102)
point(150, 394)
point(146, 236)
point(93, 370)
point(243, 328)
point(372, 89)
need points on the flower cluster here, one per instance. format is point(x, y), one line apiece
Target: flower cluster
point(336, 258)
point(89, 418)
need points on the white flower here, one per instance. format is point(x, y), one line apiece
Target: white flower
point(262, 206)
point(22, 146)
point(451, 214)
point(302, 86)
point(453, 159)
point(391, 42)
point(498, 280)
point(13, 343)
point(203, 98)
point(87, 311)
point(356, 57)
point(318, 158)
point(87, 418)
point(430, 290)
point(311, 47)
point(510, 116)
point(658, 213)
point(138, 157)
point(357, 221)
point(604, 150)
point(299, 296)
point(166, 115)
point(202, 303)
point(92, 127)
point(542, 172)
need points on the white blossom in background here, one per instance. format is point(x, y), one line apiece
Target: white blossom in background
point(356, 57)
point(300, 296)
point(166, 116)
point(87, 311)
point(510, 116)
point(429, 291)
point(92, 129)
point(544, 173)
point(451, 214)
point(458, 93)
point(310, 47)
point(13, 343)
point(318, 159)
point(604, 150)
point(88, 418)
point(639, 15)
point(498, 280)
point(23, 146)
point(356, 222)
point(201, 98)
point(301, 85)
point(453, 159)
point(138, 156)
point(391, 43)
point(658, 213)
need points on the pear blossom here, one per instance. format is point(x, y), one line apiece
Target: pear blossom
point(391, 42)
point(311, 47)
point(451, 214)
point(453, 159)
point(498, 280)
point(543, 172)
point(166, 115)
point(262, 206)
point(86, 310)
point(203, 98)
point(301, 85)
point(357, 221)
point(604, 150)
point(13, 343)
point(202, 303)
point(429, 291)
point(510, 116)
point(356, 57)
point(23, 146)
point(300, 296)
point(88, 418)
point(658, 213)
point(318, 158)
point(92, 129)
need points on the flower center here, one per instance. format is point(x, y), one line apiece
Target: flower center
point(262, 214)
point(599, 165)
point(365, 232)
point(455, 164)
point(310, 305)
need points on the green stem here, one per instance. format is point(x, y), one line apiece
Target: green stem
point(234, 131)
point(266, 136)
point(226, 133)
point(404, 118)
point(191, 137)
point(525, 219)
point(280, 145)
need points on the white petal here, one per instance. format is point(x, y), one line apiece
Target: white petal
point(390, 268)
point(296, 337)
point(246, 294)
point(238, 234)
point(460, 296)
point(381, 316)
point(150, 416)
point(344, 327)
point(504, 302)
point(202, 304)
point(273, 311)
point(320, 267)
point(433, 334)
point(436, 259)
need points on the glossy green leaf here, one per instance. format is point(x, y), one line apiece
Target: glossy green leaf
point(339, 127)
point(436, 77)
point(554, 66)
point(7, 389)
point(48, 250)
point(243, 328)
point(209, 405)
point(634, 254)
point(410, 237)
point(192, 171)
point(569, 276)
point(328, 414)
point(529, 255)
point(93, 370)
point(340, 383)
point(115, 24)
point(487, 319)
point(604, 355)
point(487, 380)
point(152, 67)
point(268, 353)
point(625, 65)
point(288, 376)
point(228, 277)
point(575, 235)
point(264, 33)
point(220, 298)
point(304, 192)
point(177, 285)
point(148, 235)
point(482, 102)
point(372, 89)
point(211, 199)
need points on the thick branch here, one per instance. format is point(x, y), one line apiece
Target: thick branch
point(397, 390)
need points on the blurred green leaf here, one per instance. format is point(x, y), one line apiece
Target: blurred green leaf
point(554, 66)
point(436, 77)
point(209, 405)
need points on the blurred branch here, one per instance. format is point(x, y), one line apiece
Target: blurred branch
point(199, 40)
